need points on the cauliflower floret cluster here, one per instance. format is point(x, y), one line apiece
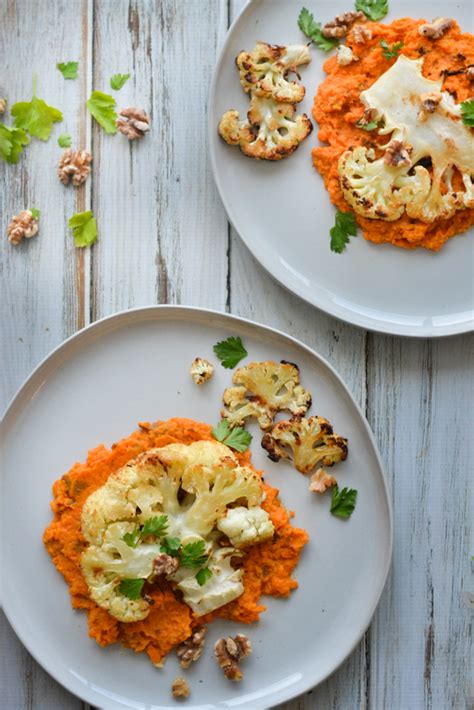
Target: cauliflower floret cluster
point(243, 526)
point(168, 500)
point(272, 130)
point(261, 390)
point(312, 443)
point(433, 144)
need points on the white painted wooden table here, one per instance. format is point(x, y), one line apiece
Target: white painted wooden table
point(164, 238)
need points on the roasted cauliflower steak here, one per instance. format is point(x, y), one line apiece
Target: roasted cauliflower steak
point(191, 487)
point(311, 441)
point(263, 71)
point(261, 390)
point(377, 188)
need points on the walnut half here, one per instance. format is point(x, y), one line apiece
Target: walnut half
point(190, 650)
point(75, 164)
point(165, 564)
point(229, 651)
point(340, 26)
point(180, 688)
point(398, 154)
point(437, 28)
point(22, 225)
point(133, 122)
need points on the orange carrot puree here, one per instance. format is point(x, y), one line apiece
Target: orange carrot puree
point(337, 107)
point(267, 567)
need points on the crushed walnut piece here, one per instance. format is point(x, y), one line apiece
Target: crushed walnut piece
point(345, 55)
point(321, 481)
point(229, 651)
point(361, 34)
point(75, 164)
point(201, 370)
point(180, 688)
point(165, 564)
point(22, 225)
point(398, 154)
point(3, 105)
point(435, 29)
point(340, 26)
point(190, 651)
point(470, 73)
point(429, 104)
point(133, 122)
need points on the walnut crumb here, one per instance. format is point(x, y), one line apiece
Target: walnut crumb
point(470, 73)
point(201, 370)
point(429, 104)
point(133, 122)
point(340, 26)
point(398, 154)
point(321, 481)
point(3, 105)
point(22, 225)
point(437, 28)
point(229, 651)
point(361, 34)
point(180, 688)
point(165, 564)
point(75, 164)
point(190, 651)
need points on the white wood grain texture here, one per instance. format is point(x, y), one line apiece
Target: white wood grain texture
point(160, 219)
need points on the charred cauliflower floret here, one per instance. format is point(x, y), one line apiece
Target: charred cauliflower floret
point(261, 390)
point(177, 492)
point(201, 370)
point(263, 72)
point(312, 443)
point(272, 131)
point(399, 181)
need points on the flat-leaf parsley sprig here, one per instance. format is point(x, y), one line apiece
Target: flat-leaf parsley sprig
point(373, 9)
point(467, 112)
point(230, 351)
point(343, 502)
point(390, 52)
point(312, 30)
point(345, 226)
point(236, 438)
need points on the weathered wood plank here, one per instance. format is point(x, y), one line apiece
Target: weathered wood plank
point(163, 230)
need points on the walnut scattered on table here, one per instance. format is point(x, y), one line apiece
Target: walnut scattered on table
point(23, 225)
point(75, 164)
point(133, 122)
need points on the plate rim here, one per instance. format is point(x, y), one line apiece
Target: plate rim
point(159, 310)
point(342, 313)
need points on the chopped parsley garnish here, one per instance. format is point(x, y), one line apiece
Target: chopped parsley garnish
point(312, 30)
point(203, 576)
point(156, 526)
point(102, 108)
point(193, 554)
point(64, 140)
point(132, 538)
point(118, 80)
point(373, 9)
point(236, 438)
point(84, 228)
point(343, 502)
point(12, 142)
point(345, 227)
point(171, 546)
point(370, 126)
point(131, 588)
point(68, 69)
point(467, 112)
point(390, 52)
point(35, 116)
point(230, 352)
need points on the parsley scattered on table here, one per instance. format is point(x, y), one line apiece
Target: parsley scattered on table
point(84, 228)
point(64, 140)
point(68, 69)
point(467, 112)
point(118, 80)
point(345, 226)
point(35, 116)
point(193, 554)
point(390, 52)
point(236, 438)
point(312, 30)
point(373, 9)
point(343, 502)
point(131, 588)
point(35, 212)
point(171, 546)
point(102, 108)
point(12, 142)
point(230, 352)
point(203, 576)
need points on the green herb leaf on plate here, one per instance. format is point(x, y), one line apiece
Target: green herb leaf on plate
point(118, 80)
point(343, 502)
point(132, 538)
point(230, 352)
point(390, 52)
point(312, 30)
point(171, 546)
point(467, 112)
point(345, 226)
point(131, 588)
point(370, 126)
point(102, 108)
point(373, 9)
point(84, 228)
point(68, 69)
point(194, 554)
point(237, 438)
point(156, 526)
point(203, 576)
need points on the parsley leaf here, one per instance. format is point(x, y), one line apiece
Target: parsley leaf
point(84, 228)
point(118, 80)
point(344, 226)
point(64, 140)
point(373, 9)
point(156, 526)
point(131, 588)
point(35, 212)
point(370, 126)
point(36, 116)
point(237, 438)
point(390, 52)
point(12, 141)
point(132, 538)
point(230, 352)
point(467, 112)
point(171, 545)
point(312, 30)
point(343, 502)
point(102, 107)
point(193, 554)
point(203, 576)
point(68, 69)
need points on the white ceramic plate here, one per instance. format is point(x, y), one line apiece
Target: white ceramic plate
point(283, 212)
point(95, 388)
